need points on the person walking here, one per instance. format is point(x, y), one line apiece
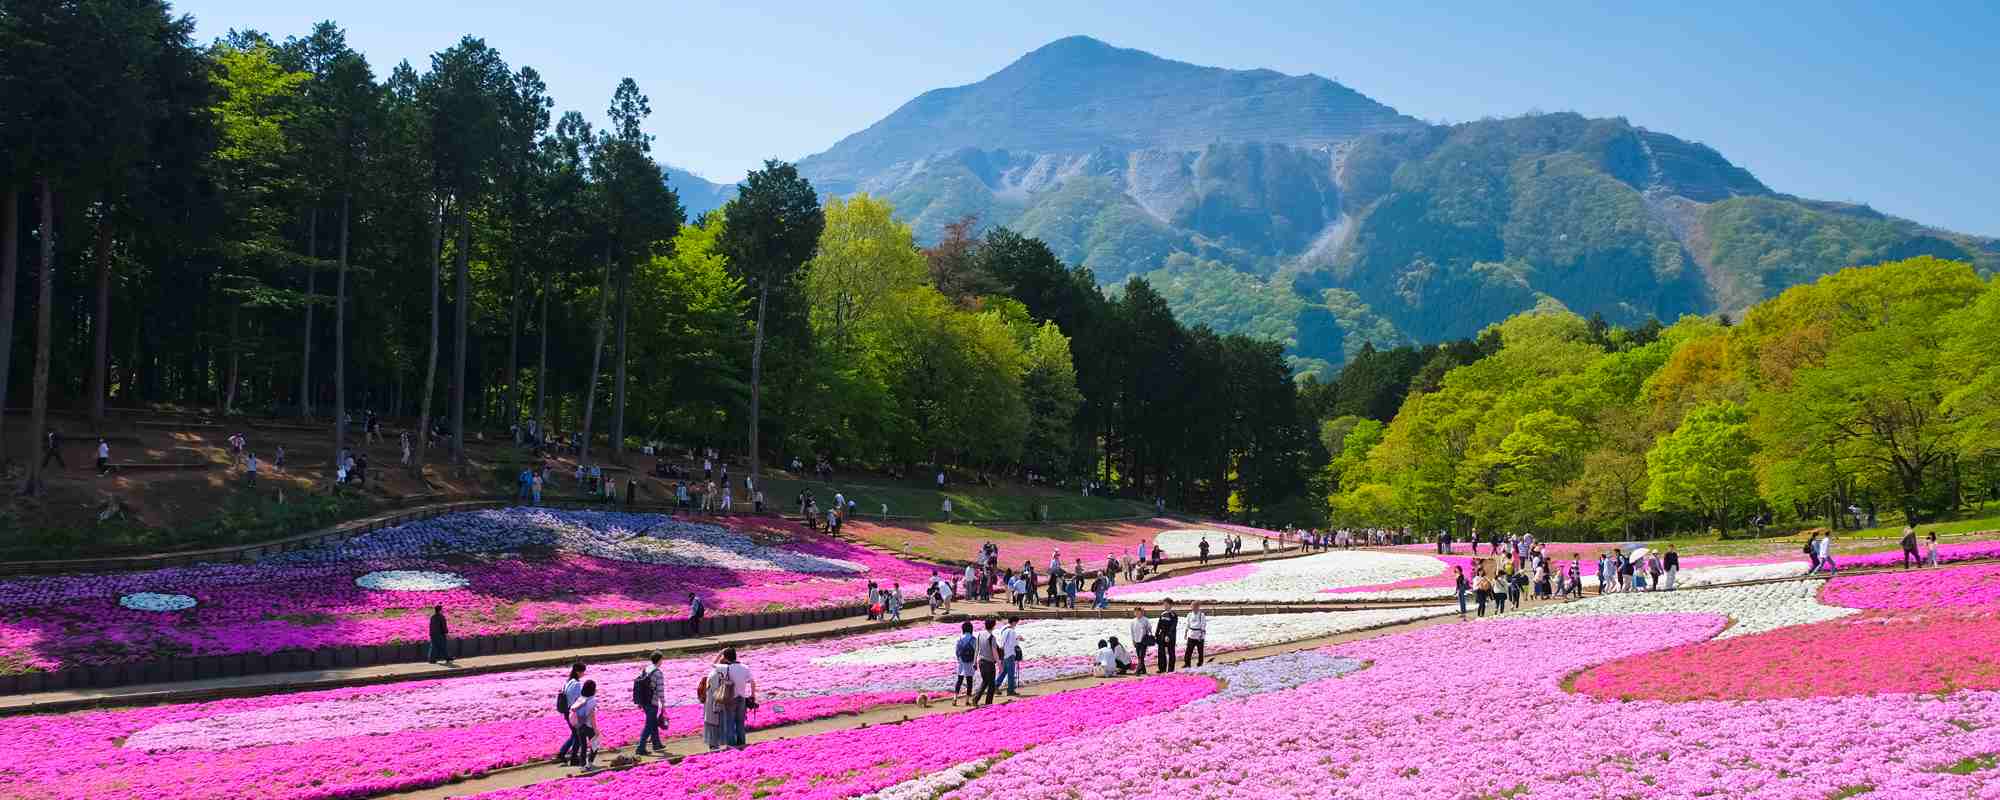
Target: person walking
point(536, 487)
point(1203, 547)
point(1910, 547)
point(278, 459)
point(966, 651)
point(1010, 655)
point(583, 717)
point(52, 449)
point(1164, 633)
point(987, 647)
point(896, 601)
point(439, 637)
point(1459, 586)
point(1672, 574)
point(250, 471)
point(103, 456)
point(1196, 653)
point(695, 612)
point(1142, 637)
point(1826, 554)
point(649, 691)
point(1812, 554)
point(1930, 558)
point(566, 699)
point(1482, 589)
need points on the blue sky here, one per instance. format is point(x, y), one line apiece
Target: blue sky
point(1891, 104)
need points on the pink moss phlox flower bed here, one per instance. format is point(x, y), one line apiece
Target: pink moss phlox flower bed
point(842, 764)
point(359, 741)
point(1202, 578)
point(1106, 539)
point(1477, 711)
point(1947, 552)
point(1955, 587)
point(1873, 653)
point(524, 570)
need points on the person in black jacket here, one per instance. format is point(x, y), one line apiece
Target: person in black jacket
point(1163, 635)
point(439, 637)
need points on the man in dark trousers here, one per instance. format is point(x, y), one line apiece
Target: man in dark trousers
point(1164, 631)
point(53, 449)
point(439, 637)
point(695, 612)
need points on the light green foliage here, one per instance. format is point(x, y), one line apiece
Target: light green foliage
point(1704, 465)
point(864, 258)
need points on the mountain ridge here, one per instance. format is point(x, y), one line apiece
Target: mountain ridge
point(1296, 208)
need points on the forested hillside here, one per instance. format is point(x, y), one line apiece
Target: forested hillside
point(1875, 388)
point(1131, 164)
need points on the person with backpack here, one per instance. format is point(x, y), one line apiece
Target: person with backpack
point(1142, 637)
point(583, 715)
point(727, 694)
point(1910, 547)
point(967, 653)
point(987, 647)
point(649, 693)
point(566, 699)
point(695, 612)
point(1098, 587)
point(1812, 553)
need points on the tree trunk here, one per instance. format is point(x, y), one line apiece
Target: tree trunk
point(10, 263)
point(340, 337)
point(458, 338)
point(312, 275)
point(235, 360)
point(38, 420)
point(101, 325)
point(596, 360)
point(430, 372)
point(513, 402)
point(618, 411)
point(542, 367)
point(757, 378)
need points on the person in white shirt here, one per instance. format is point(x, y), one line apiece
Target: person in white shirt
point(1107, 662)
point(729, 704)
point(1010, 655)
point(250, 473)
point(1197, 627)
point(103, 456)
point(1142, 633)
point(1120, 656)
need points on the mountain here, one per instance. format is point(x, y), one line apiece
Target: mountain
point(698, 195)
point(1296, 208)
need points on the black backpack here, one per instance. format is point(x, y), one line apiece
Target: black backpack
point(562, 701)
point(642, 689)
point(1808, 548)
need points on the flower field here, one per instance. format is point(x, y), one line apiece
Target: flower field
point(504, 571)
point(362, 741)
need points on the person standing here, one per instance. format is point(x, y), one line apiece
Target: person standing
point(52, 449)
point(1142, 637)
point(1930, 558)
point(1910, 547)
point(695, 612)
point(966, 651)
point(103, 456)
point(537, 487)
point(583, 715)
point(650, 692)
point(278, 460)
point(987, 647)
point(1197, 653)
point(572, 691)
point(896, 601)
point(1482, 589)
point(1203, 547)
point(1672, 564)
point(439, 637)
point(1164, 633)
point(744, 698)
point(250, 471)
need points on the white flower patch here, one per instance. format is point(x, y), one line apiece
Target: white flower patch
point(411, 580)
point(1077, 638)
point(930, 786)
point(1734, 573)
point(1302, 579)
point(1755, 609)
point(1274, 673)
point(1187, 543)
point(155, 601)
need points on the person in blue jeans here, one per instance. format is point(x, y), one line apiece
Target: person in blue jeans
point(1010, 655)
point(654, 695)
point(572, 691)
